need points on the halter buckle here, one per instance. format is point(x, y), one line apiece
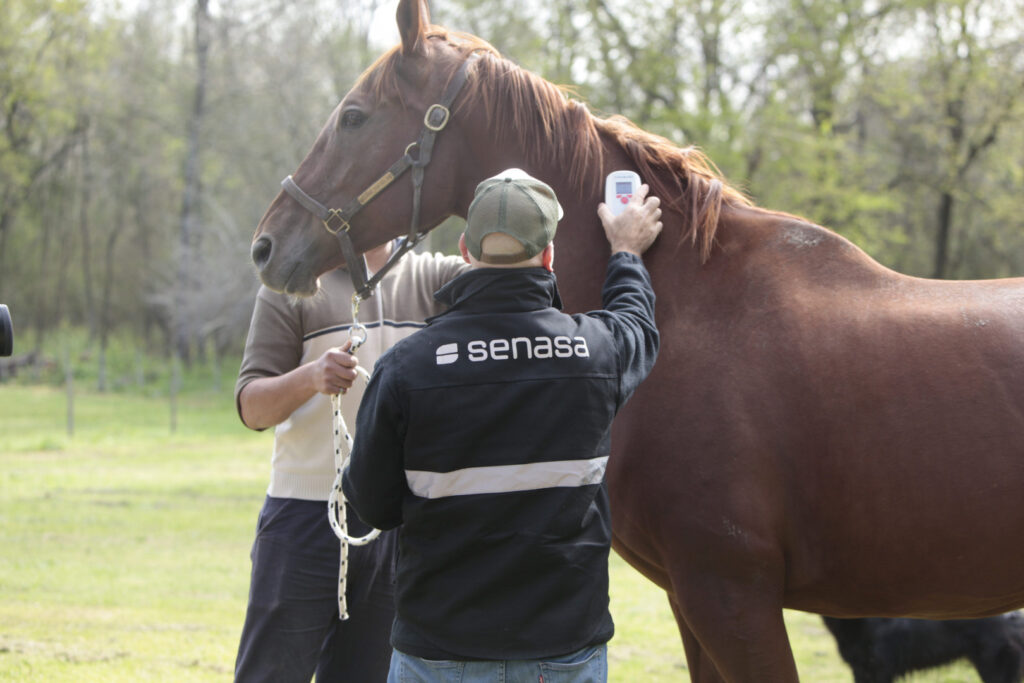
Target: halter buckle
point(336, 213)
point(444, 121)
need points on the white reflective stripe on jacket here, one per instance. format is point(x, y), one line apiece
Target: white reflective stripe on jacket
point(507, 478)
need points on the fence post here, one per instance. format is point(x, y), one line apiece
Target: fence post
point(69, 380)
point(175, 386)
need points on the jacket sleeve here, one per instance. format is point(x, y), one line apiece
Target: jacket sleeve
point(374, 482)
point(628, 299)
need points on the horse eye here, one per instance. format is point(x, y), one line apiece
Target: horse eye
point(352, 118)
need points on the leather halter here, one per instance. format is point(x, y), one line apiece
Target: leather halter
point(336, 221)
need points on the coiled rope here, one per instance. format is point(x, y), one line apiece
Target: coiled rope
point(336, 509)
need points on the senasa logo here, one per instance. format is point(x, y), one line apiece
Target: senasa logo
point(515, 348)
point(447, 354)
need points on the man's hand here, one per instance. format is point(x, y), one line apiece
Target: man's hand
point(636, 228)
point(334, 371)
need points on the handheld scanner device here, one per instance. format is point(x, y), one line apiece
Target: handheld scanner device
point(619, 188)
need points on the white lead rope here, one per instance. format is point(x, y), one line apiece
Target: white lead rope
point(336, 512)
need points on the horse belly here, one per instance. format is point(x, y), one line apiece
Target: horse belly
point(911, 505)
point(926, 552)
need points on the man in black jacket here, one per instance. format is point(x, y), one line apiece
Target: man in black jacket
point(486, 436)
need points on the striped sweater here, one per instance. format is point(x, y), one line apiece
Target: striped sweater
point(286, 332)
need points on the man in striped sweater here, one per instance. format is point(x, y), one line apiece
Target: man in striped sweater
point(294, 361)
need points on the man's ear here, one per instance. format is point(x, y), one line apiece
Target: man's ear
point(413, 19)
point(548, 257)
point(462, 247)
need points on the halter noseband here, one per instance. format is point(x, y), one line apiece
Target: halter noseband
point(336, 221)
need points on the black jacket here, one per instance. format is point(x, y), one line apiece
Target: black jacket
point(486, 435)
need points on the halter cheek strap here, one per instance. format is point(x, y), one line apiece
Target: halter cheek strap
point(336, 221)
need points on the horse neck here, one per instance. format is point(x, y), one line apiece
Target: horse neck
point(674, 260)
point(582, 250)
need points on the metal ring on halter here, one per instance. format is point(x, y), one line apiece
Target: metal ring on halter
point(414, 143)
point(357, 334)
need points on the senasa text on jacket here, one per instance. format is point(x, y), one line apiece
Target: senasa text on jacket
point(517, 347)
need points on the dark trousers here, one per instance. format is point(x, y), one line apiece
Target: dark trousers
point(292, 629)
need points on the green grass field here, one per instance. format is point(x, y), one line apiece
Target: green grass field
point(125, 549)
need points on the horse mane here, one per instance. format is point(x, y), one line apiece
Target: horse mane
point(546, 120)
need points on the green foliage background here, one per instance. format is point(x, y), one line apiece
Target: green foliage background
point(140, 142)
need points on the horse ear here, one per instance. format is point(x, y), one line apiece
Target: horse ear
point(413, 19)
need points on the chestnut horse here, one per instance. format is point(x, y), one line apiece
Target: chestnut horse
point(820, 433)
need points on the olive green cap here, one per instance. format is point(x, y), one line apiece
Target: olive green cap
point(515, 204)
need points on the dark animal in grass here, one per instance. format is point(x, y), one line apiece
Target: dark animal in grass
point(880, 650)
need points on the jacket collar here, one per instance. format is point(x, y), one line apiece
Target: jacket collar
point(501, 290)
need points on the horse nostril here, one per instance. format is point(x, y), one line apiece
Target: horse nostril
point(261, 250)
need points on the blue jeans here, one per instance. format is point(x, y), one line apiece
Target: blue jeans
point(589, 665)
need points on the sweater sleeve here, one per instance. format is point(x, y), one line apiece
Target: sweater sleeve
point(374, 482)
point(274, 343)
point(628, 299)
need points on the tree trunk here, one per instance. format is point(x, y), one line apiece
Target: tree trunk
point(6, 213)
point(945, 227)
point(183, 323)
point(105, 322)
point(86, 252)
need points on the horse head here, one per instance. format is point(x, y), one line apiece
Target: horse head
point(357, 160)
point(505, 116)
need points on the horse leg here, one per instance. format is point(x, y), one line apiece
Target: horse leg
point(736, 628)
point(702, 669)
